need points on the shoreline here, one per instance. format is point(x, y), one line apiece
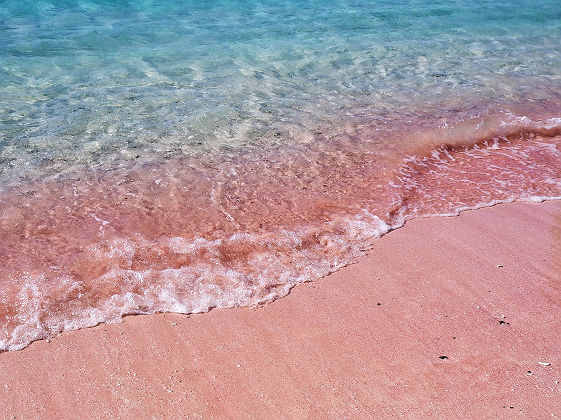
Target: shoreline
point(181, 237)
point(445, 316)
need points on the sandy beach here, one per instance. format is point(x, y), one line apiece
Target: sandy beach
point(233, 209)
point(454, 317)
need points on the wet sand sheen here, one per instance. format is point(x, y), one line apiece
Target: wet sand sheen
point(453, 317)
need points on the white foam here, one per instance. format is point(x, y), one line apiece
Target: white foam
point(278, 261)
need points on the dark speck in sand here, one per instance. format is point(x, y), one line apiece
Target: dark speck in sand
point(503, 322)
point(443, 357)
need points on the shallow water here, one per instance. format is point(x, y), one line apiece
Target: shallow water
point(162, 157)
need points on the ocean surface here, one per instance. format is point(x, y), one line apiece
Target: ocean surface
point(181, 156)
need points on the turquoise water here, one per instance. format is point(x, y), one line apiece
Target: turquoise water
point(103, 82)
point(181, 156)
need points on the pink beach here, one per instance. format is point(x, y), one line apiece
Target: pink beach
point(456, 317)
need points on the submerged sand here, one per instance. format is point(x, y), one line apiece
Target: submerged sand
point(456, 317)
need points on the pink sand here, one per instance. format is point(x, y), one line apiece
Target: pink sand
point(482, 289)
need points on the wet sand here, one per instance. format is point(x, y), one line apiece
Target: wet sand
point(457, 317)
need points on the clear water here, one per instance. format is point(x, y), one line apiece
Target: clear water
point(96, 82)
point(178, 156)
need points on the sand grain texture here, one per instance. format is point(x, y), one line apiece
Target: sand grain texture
point(482, 289)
